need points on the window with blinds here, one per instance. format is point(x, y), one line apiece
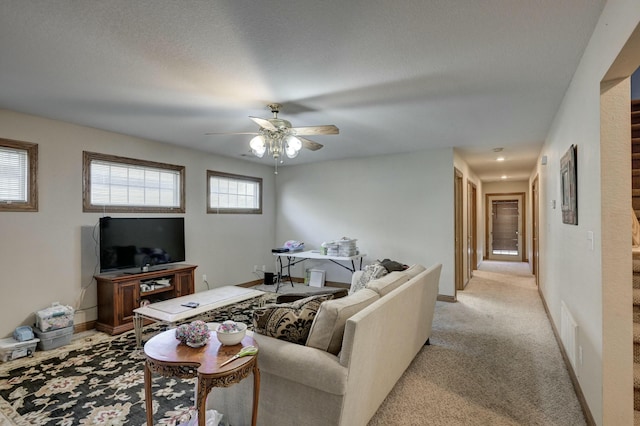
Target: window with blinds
point(18, 176)
point(117, 184)
point(229, 193)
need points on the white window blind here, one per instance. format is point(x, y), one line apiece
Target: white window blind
point(14, 175)
point(233, 193)
point(119, 184)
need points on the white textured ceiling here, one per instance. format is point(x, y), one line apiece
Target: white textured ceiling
point(394, 76)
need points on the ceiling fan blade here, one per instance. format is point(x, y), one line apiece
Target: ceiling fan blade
point(328, 129)
point(265, 124)
point(235, 133)
point(310, 145)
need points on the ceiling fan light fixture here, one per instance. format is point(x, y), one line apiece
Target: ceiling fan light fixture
point(293, 146)
point(258, 146)
point(277, 137)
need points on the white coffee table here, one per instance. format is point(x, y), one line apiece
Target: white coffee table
point(172, 311)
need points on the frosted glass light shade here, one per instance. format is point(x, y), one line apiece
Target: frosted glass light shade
point(293, 146)
point(258, 147)
point(294, 143)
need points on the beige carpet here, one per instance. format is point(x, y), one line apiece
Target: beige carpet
point(493, 360)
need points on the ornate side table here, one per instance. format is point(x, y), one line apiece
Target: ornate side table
point(168, 357)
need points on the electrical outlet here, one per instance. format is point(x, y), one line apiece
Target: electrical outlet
point(255, 268)
point(204, 277)
point(264, 268)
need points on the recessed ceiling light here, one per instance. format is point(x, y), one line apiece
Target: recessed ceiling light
point(500, 159)
point(503, 177)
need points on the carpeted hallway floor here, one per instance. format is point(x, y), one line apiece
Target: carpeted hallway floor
point(493, 360)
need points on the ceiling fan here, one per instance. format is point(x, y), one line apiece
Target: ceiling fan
point(277, 137)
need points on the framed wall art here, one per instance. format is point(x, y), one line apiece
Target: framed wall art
point(569, 186)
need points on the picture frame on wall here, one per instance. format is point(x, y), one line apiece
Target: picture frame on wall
point(569, 186)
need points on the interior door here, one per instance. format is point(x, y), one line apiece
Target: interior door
point(472, 234)
point(505, 213)
point(459, 268)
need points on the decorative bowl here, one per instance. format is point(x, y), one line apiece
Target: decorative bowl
point(231, 333)
point(195, 334)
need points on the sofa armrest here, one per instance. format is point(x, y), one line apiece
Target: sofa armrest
point(302, 364)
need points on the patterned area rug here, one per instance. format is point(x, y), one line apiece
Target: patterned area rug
point(102, 383)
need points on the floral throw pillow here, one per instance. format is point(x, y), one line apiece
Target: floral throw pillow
point(369, 273)
point(290, 321)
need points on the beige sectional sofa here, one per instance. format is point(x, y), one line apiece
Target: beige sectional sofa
point(357, 349)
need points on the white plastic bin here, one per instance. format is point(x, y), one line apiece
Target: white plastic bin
point(54, 317)
point(11, 349)
point(54, 339)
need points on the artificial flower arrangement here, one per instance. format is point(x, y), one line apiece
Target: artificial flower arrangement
point(194, 334)
point(228, 326)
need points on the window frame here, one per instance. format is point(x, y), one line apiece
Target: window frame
point(31, 205)
point(233, 210)
point(88, 157)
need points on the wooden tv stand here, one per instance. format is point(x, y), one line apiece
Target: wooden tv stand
point(119, 293)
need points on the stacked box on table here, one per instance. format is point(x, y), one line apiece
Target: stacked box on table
point(11, 349)
point(54, 317)
point(54, 338)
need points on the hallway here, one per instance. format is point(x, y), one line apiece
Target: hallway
point(493, 360)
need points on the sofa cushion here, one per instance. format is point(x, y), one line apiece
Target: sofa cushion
point(388, 283)
point(290, 321)
point(327, 329)
point(414, 270)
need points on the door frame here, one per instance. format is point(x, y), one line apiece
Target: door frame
point(523, 220)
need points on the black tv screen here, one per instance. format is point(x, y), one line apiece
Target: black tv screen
point(135, 242)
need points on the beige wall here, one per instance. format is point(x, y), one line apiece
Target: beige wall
point(49, 255)
point(397, 206)
point(571, 271)
point(505, 186)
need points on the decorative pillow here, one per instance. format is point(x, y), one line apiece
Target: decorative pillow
point(328, 327)
point(370, 272)
point(290, 321)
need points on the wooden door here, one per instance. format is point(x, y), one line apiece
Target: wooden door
point(128, 299)
point(459, 268)
point(472, 233)
point(184, 283)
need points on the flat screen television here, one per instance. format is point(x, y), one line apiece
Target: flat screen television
point(127, 243)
